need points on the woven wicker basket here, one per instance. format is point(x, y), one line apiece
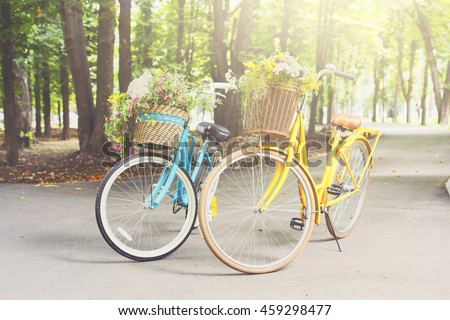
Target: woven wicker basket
point(160, 126)
point(274, 115)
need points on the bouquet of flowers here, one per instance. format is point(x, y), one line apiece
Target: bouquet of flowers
point(150, 92)
point(279, 70)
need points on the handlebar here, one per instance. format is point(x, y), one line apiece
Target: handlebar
point(331, 69)
point(345, 75)
point(218, 85)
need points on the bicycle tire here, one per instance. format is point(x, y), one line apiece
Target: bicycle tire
point(343, 216)
point(265, 240)
point(125, 223)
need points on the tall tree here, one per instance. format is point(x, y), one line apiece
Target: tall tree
point(423, 99)
point(46, 99)
point(229, 115)
point(442, 102)
point(406, 87)
point(125, 74)
point(37, 97)
point(64, 88)
point(105, 72)
point(376, 81)
point(284, 34)
point(23, 104)
point(221, 13)
point(143, 32)
point(180, 36)
point(75, 44)
point(7, 55)
point(323, 49)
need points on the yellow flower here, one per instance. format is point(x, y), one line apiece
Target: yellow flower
point(252, 66)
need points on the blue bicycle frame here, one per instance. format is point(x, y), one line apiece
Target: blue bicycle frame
point(183, 158)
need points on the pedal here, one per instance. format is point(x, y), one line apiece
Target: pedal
point(334, 190)
point(297, 224)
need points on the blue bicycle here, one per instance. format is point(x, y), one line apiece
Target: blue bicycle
point(146, 206)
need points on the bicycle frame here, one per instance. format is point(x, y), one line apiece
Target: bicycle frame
point(183, 158)
point(296, 153)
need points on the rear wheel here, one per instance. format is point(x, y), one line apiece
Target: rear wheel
point(343, 216)
point(236, 227)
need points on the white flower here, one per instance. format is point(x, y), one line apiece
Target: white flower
point(289, 66)
point(139, 86)
point(232, 79)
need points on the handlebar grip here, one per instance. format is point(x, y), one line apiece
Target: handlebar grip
point(221, 85)
point(345, 75)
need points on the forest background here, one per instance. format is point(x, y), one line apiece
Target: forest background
point(61, 60)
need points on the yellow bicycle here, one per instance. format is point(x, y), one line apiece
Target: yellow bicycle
point(259, 205)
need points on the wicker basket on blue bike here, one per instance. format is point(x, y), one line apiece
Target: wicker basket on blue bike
point(160, 126)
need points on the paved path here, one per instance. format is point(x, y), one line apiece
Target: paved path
point(51, 248)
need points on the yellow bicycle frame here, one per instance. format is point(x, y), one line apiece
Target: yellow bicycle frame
point(296, 153)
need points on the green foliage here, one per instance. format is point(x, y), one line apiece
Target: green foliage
point(28, 135)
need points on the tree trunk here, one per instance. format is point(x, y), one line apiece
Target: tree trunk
point(190, 48)
point(59, 114)
point(423, 100)
point(46, 99)
point(233, 104)
point(146, 10)
point(422, 24)
point(37, 99)
point(105, 72)
point(75, 44)
point(23, 106)
point(7, 55)
point(445, 107)
point(64, 87)
point(219, 47)
point(325, 25)
point(243, 36)
point(124, 45)
point(408, 96)
point(407, 92)
point(376, 81)
point(221, 114)
point(181, 4)
point(284, 34)
point(396, 95)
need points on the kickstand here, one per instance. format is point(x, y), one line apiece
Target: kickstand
point(334, 233)
point(331, 223)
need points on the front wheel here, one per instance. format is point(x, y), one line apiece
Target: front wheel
point(238, 229)
point(344, 215)
point(127, 222)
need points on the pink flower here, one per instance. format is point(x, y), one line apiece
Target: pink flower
point(117, 148)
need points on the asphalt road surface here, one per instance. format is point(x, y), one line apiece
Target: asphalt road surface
point(51, 247)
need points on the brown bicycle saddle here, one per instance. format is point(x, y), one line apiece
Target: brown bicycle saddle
point(347, 121)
